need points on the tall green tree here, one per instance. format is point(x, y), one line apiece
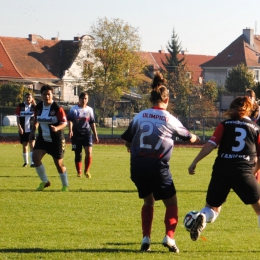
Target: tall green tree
point(172, 63)
point(113, 66)
point(178, 76)
point(239, 79)
point(11, 94)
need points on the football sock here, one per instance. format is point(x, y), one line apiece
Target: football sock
point(147, 219)
point(64, 178)
point(171, 220)
point(25, 157)
point(31, 160)
point(78, 166)
point(210, 214)
point(41, 173)
point(88, 161)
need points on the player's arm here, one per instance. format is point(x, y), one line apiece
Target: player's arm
point(62, 119)
point(208, 147)
point(20, 129)
point(194, 138)
point(128, 145)
point(70, 129)
point(94, 130)
point(257, 166)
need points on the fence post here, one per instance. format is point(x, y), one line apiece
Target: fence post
point(203, 129)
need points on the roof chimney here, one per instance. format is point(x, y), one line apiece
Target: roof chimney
point(249, 34)
point(33, 38)
point(162, 51)
point(54, 38)
point(76, 38)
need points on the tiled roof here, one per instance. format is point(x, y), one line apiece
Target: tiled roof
point(43, 59)
point(238, 51)
point(193, 61)
point(7, 68)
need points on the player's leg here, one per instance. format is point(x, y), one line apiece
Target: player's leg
point(87, 144)
point(25, 153)
point(147, 211)
point(62, 173)
point(31, 145)
point(57, 154)
point(218, 190)
point(38, 152)
point(40, 169)
point(170, 221)
point(77, 148)
point(256, 208)
point(88, 160)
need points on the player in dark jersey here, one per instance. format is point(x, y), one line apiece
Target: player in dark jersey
point(52, 120)
point(24, 115)
point(81, 122)
point(255, 116)
point(149, 138)
point(238, 139)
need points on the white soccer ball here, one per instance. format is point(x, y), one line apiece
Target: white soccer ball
point(189, 219)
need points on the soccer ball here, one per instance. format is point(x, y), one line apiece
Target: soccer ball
point(189, 219)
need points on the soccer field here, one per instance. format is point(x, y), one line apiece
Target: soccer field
point(100, 217)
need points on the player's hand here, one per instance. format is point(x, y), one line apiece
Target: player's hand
point(53, 128)
point(191, 169)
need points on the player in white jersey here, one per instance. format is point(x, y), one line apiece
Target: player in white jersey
point(81, 122)
point(24, 115)
point(52, 120)
point(149, 138)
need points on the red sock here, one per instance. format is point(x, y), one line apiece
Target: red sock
point(171, 220)
point(88, 161)
point(78, 166)
point(147, 219)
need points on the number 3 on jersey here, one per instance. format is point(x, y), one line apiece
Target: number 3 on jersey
point(240, 139)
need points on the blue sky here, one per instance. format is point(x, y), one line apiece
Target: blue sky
point(203, 26)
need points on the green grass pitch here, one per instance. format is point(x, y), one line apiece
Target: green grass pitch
point(100, 217)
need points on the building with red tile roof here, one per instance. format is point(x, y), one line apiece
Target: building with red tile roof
point(35, 61)
point(245, 49)
point(193, 61)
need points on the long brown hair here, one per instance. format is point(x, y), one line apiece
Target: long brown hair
point(239, 108)
point(159, 92)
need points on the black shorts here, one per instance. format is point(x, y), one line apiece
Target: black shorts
point(80, 141)
point(24, 138)
point(160, 184)
point(242, 181)
point(56, 148)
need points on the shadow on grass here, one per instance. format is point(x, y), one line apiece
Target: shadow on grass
point(109, 250)
point(71, 191)
point(86, 250)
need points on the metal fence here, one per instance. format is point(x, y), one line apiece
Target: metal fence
point(113, 127)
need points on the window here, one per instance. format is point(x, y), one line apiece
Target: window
point(188, 75)
point(88, 68)
point(228, 71)
point(75, 91)
point(256, 75)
